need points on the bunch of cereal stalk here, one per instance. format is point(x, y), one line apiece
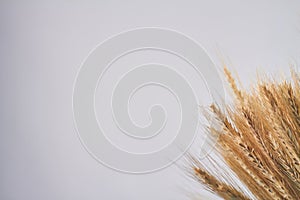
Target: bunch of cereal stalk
point(259, 140)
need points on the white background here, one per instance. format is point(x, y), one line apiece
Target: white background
point(42, 45)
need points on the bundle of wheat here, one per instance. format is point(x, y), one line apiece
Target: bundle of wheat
point(259, 141)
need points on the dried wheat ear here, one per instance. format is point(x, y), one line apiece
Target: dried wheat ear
point(259, 140)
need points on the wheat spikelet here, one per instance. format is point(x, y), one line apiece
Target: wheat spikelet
point(233, 85)
point(259, 140)
point(224, 190)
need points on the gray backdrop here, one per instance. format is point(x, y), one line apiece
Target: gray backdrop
point(42, 45)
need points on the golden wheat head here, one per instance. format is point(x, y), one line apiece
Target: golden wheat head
point(259, 141)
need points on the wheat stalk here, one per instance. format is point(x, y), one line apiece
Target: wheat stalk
point(259, 141)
